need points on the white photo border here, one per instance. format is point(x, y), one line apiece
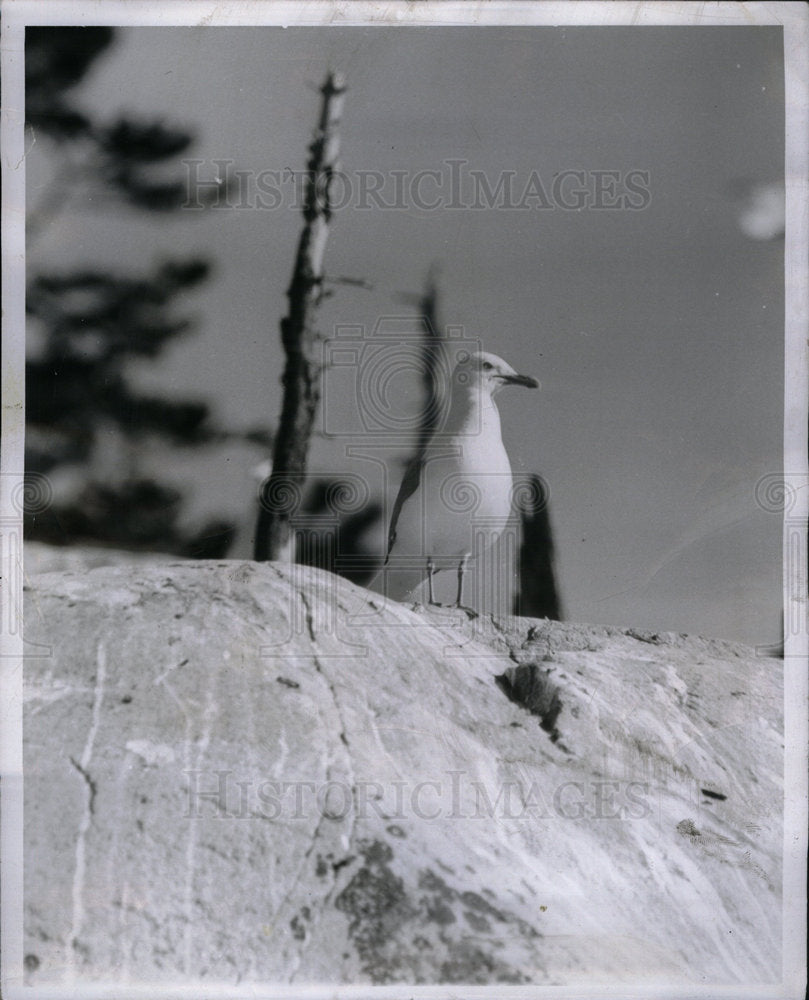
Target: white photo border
point(165, 13)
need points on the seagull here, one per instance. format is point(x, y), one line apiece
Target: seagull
point(457, 491)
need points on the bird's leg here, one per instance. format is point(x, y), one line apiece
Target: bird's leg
point(430, 574)
point(461, 571)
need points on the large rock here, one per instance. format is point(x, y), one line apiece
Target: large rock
point(244, 772)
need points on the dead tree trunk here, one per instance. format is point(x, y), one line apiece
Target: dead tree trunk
point(280, 494)
point(431, 348)
point(538, 596)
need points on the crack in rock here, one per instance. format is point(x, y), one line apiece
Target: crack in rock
point(307, 608)
point(91, 785)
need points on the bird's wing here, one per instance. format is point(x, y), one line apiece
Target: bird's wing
point(410, 483)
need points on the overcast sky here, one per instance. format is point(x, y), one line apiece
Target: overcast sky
point(656, 330)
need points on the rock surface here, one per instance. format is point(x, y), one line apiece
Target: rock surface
point(238, 772)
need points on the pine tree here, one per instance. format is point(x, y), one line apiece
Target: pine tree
point(83, 413)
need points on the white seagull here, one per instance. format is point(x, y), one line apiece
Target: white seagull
point(457, 493)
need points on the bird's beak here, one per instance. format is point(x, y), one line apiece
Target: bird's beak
point(524, 380)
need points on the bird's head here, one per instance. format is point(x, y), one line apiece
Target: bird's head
point(487, 373)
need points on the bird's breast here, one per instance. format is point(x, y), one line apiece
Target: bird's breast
point(466, 493)
point(463, 497)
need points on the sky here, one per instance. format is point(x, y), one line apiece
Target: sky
point(655, 326)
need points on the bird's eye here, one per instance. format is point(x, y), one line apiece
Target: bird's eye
point(487, 367)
